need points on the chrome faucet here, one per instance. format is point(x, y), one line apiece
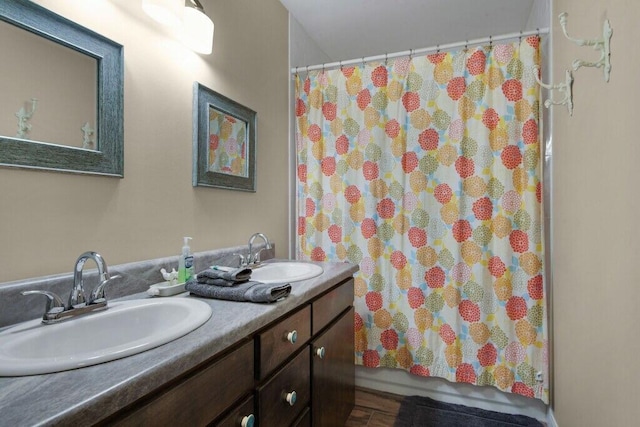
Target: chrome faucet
point(254, 258)
point(56, 311)
point(77, 293)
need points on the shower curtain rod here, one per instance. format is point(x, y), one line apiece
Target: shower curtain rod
point(412, 52)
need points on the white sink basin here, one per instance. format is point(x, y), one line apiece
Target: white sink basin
point(124, 329)
point(285, 272)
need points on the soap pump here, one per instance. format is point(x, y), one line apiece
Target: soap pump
point(185, 263)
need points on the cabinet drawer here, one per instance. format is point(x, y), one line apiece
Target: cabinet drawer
point(234, 419)
point(273, 345)
point(329, 306)
point(201, 397)
point(273, 409)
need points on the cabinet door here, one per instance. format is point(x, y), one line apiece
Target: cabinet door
point(333, 373)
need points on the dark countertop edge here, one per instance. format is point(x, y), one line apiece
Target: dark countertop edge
point(153, 368)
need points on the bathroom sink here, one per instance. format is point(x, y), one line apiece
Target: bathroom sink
point(124, 329)
point(285, 272)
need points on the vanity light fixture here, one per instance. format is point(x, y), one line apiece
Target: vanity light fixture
point(166, 12)
point(197, 28)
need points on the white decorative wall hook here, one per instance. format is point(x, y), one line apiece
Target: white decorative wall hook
point(603, 45)
point(566, 88)
point(87, 136)
point(23, 119)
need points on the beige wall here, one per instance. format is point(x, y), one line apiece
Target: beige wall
point(47, 219)
point(596, 286)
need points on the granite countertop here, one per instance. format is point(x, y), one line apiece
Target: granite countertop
point(83, 397)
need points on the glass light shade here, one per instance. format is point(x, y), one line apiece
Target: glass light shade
point(197, 31)
point(166, 12)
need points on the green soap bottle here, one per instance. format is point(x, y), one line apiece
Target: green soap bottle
point(185, 263)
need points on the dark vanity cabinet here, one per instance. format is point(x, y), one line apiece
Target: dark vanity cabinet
point(297, 371)
point(198, 397)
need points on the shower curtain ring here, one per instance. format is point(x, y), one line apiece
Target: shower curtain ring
point(410, 54)
point(437, 48)
point(386, 59)
point(520, 38)
point(340, 63)
point(490, 41)
point(307, 70)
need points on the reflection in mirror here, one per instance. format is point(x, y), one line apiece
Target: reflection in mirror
point(91, 138)
point(48, 90)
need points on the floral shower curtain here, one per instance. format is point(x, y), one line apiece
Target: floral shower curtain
point(425, 172)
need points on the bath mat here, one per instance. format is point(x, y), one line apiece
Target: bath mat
point(417, 411)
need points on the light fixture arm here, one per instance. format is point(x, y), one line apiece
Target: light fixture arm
point(194, 4)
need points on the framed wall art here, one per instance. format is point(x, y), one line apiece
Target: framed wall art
point(224, 146)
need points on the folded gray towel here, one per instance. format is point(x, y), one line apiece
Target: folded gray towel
point(211, 276)
point(218, 282)
point(247, 291)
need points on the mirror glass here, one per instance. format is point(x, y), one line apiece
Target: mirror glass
point(62, 93)
point(48, 90)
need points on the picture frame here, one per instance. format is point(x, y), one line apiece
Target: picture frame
point(224, 142)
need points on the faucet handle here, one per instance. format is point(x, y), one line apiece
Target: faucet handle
point(257, 257)
point(98, 292)
point(243, 261)
point(54, 302)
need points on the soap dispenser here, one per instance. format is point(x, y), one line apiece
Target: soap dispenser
point(185, 263)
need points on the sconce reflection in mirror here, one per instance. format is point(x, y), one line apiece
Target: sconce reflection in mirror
point(26, 150)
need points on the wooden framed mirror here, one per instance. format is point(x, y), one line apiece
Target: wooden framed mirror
point(97, 142)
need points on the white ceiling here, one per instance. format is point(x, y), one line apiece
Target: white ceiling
point(348, 29)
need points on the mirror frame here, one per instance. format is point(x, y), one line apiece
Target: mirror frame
point(108, 159)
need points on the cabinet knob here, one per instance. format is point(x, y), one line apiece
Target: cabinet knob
point(292, 336)
point(247, 421)
point(320, 352)
point(291, 398)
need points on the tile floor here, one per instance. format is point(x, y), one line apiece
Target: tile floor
point(374, 409)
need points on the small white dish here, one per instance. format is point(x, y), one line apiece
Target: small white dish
point(165, 289)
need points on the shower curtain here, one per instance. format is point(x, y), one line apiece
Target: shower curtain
point(426, 172)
